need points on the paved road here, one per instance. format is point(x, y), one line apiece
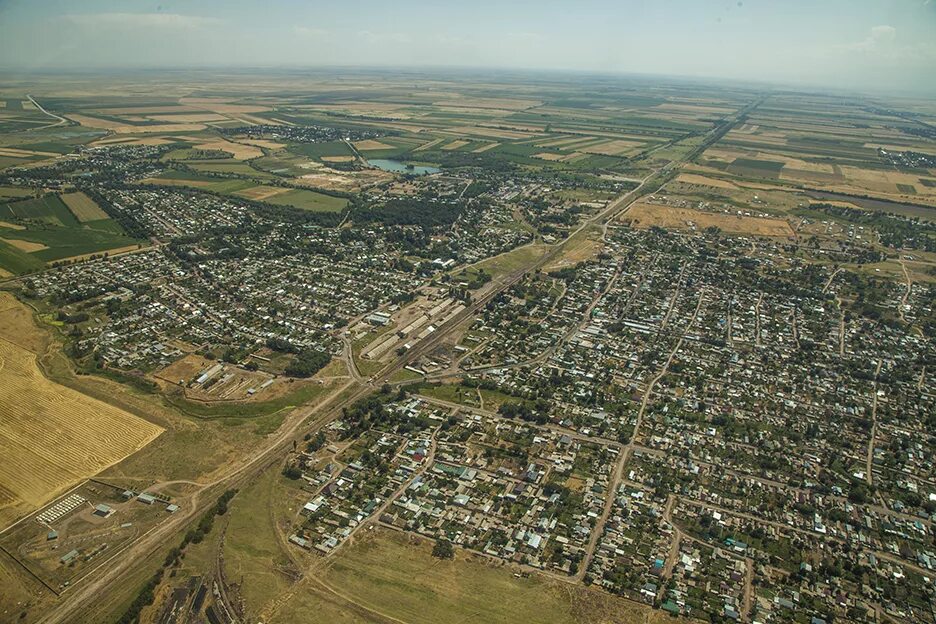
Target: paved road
point(61, 120)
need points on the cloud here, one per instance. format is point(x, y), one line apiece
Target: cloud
point(305, 31)
point(882, 46)
point(384, 37)
point(879, 38)
point(166, 21)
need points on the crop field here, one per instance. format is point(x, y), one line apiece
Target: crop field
point(308, 200)
point(83, 207)
point(7, 192)
point(39, 230)
point(821, 143)
point(51, 436)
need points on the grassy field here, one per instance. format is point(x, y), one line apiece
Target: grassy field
point(511, 260)
point(252, 552)
point(52, 437)
point(309, 200)
point(7, 192)
point(467, 396)
point(394, 575)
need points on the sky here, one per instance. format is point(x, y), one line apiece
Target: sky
point(870, 45)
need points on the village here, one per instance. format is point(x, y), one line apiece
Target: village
point(724, 426)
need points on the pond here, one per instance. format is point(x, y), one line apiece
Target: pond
point(398, 167)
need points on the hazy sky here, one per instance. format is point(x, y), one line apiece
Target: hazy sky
point(864, 44)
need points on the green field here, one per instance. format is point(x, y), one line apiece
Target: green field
point(510, 261)
point(49, 222)
point(309, 200)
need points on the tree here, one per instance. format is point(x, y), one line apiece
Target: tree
point(443, 549)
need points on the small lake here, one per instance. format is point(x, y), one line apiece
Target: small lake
point(398, 167)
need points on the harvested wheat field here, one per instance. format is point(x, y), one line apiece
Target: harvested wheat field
point(454, 145)
point(484, 148)
point(371, 144)
point(121, 128)
point(52, 437)
point(691, 178)
point(24, 245)
point(611, 148)
point(238, 150)
point(649, 215)
point(549, 156)
point(83, 207)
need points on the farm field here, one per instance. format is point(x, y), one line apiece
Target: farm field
point(83, 207)
point(309, 200)
point(40, 230)
point(51, 436)
point(823, 144)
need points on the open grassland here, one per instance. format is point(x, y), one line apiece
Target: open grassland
point(83, 207)
point(23, 245)
point(51, 437)
point(309, 200)
point(252, 550)
point(649, 215)
point(582, 246)
point(510, 261)
point(390, 576)
point(371, 145)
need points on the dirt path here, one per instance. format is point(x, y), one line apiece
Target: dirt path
point(747, 601)
point(757, 321)
point(309, 574)
point(628, 449)
point(838, 302)
point(829, 281)
point(869, 458)
point(794, 328)
point(673, 553)
point(906, 295)
point(672, 305)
